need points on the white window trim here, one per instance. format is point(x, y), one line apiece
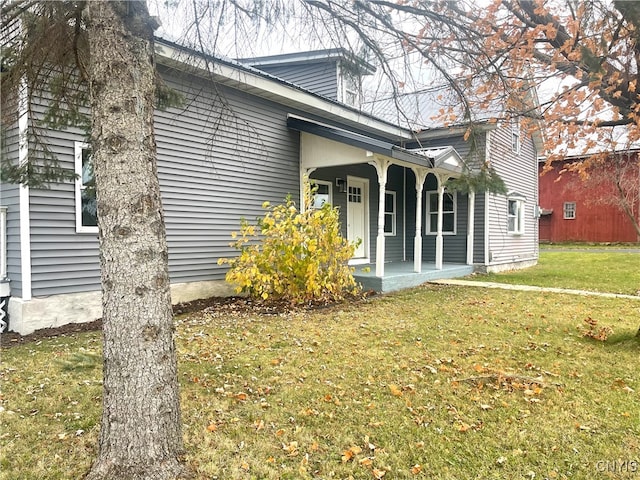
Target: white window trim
point(393, 213)
point(519, 216)
point(79, 147)
point(344, 81)
point(427, 227)
point(3, 243)
point(573, 211)
point(313, 182)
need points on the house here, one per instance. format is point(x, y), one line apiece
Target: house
point(247, 133)
point(574, 209)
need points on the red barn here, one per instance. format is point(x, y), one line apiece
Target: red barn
point(573, 209)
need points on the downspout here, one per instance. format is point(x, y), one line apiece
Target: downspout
point(25, 222)
point(404, 214)
point(487, 154)
point(471, 226)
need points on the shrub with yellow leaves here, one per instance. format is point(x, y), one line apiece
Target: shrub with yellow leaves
point(292, 255)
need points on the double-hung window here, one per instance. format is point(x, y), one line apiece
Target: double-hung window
point(390, 213)
point(515, 214)
point(569, 210)
point(515, 135)
point(351, 89)
point(86, 205)
point(449, 204)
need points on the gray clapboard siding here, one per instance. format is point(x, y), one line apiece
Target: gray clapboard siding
point(208, 182)
point(394, 251)
point(518, 170)
point(317, 77)
point(62, 261)
point(10, 198)
point(479, 229)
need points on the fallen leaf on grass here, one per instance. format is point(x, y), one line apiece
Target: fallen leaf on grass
point(395, 390)
point(463, 427)
point(212, 427)
point(346, 456)
point(350, 453)
point(378, 473)
point(291, 449)
point(416, 469)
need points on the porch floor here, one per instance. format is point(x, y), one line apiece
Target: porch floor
point(399, 275)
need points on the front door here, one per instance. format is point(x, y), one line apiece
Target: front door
point(357, 215)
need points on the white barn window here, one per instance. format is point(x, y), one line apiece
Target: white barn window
point(569, 210)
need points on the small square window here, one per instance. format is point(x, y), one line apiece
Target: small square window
point(355, 195)
point(569, 210)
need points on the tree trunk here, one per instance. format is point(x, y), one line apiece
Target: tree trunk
point(140, 434)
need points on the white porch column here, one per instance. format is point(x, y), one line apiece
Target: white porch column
point(470, 226)
point(439, 239)
point(421, 176)
point(382, 166)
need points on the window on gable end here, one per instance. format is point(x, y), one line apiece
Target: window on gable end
point(515, 135)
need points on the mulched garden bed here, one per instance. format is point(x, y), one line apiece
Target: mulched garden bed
point(221, 304)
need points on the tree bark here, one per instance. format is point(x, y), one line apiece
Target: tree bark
point(140, 434)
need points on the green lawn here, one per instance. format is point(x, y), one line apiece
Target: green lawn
point(614, 271)
point(435, 382)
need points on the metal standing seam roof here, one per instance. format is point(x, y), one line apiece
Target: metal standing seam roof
point(439, 158)
point(178, 56)
point(424, 157)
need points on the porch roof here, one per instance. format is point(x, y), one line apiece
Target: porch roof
point(444, 158)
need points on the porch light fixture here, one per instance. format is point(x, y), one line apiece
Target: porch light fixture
point(341, 183)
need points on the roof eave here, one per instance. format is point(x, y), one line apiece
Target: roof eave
point(262, 85)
